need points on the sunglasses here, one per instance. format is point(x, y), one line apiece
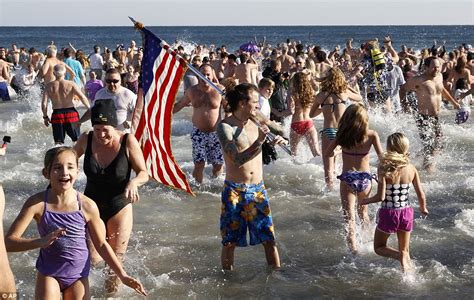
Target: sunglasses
point(112, 80)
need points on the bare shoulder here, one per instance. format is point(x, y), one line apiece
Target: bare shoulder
point(223, 125)
point(132, 141)
point(88, 205)
point(412, 169)
point(224, 129)
point(82, 141)
point(83, 138)
point(372, 134)
point(35, 203)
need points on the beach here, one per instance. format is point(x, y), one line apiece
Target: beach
point(175, 245)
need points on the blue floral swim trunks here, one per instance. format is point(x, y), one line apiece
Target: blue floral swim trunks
point(206, 147)
point(245, 206)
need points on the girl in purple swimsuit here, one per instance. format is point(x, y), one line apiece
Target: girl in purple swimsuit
point(64, 218)
point(396, 214)
point(356, 139)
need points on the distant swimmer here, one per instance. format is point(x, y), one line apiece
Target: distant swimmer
point(247, 71)
point(79, 77)
point(65, 118)
point(287, 61)
point(47, 70)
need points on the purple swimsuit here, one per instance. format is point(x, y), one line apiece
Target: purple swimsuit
point(358, 181)
point(67, 259)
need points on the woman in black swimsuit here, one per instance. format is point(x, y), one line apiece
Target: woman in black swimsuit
point(109, 157)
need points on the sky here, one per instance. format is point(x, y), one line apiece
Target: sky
point(231, 12)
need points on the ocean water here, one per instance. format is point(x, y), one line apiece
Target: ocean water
point(232, 36)
point(175, 245)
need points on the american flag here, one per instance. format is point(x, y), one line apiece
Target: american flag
point(162, 71)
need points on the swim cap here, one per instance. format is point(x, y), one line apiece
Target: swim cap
point(104, 113)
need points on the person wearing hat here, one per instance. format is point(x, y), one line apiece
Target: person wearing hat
point(109, 157)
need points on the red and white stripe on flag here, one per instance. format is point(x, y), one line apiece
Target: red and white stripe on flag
point(162, 72)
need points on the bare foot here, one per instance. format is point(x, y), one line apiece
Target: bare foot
point(405, 262)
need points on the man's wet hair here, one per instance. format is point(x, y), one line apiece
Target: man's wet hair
point(241, 92)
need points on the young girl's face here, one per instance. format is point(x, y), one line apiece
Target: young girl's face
point(64, 171)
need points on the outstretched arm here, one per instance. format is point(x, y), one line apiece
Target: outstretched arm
point(185, 101)
point(14, 241)
point(447, 96)
point(388, 45)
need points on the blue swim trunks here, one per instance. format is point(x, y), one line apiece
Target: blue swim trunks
point(245, 206)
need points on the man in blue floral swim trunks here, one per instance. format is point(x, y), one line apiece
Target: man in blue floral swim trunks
point(206, 103)
point(244, 199)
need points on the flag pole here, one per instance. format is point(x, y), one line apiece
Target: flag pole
point(271, 136)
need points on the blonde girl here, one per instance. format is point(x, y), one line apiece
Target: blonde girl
point(396, 214)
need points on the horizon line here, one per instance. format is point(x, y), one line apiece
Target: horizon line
point(293, 25)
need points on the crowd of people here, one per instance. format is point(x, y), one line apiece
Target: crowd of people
point(265, 86)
